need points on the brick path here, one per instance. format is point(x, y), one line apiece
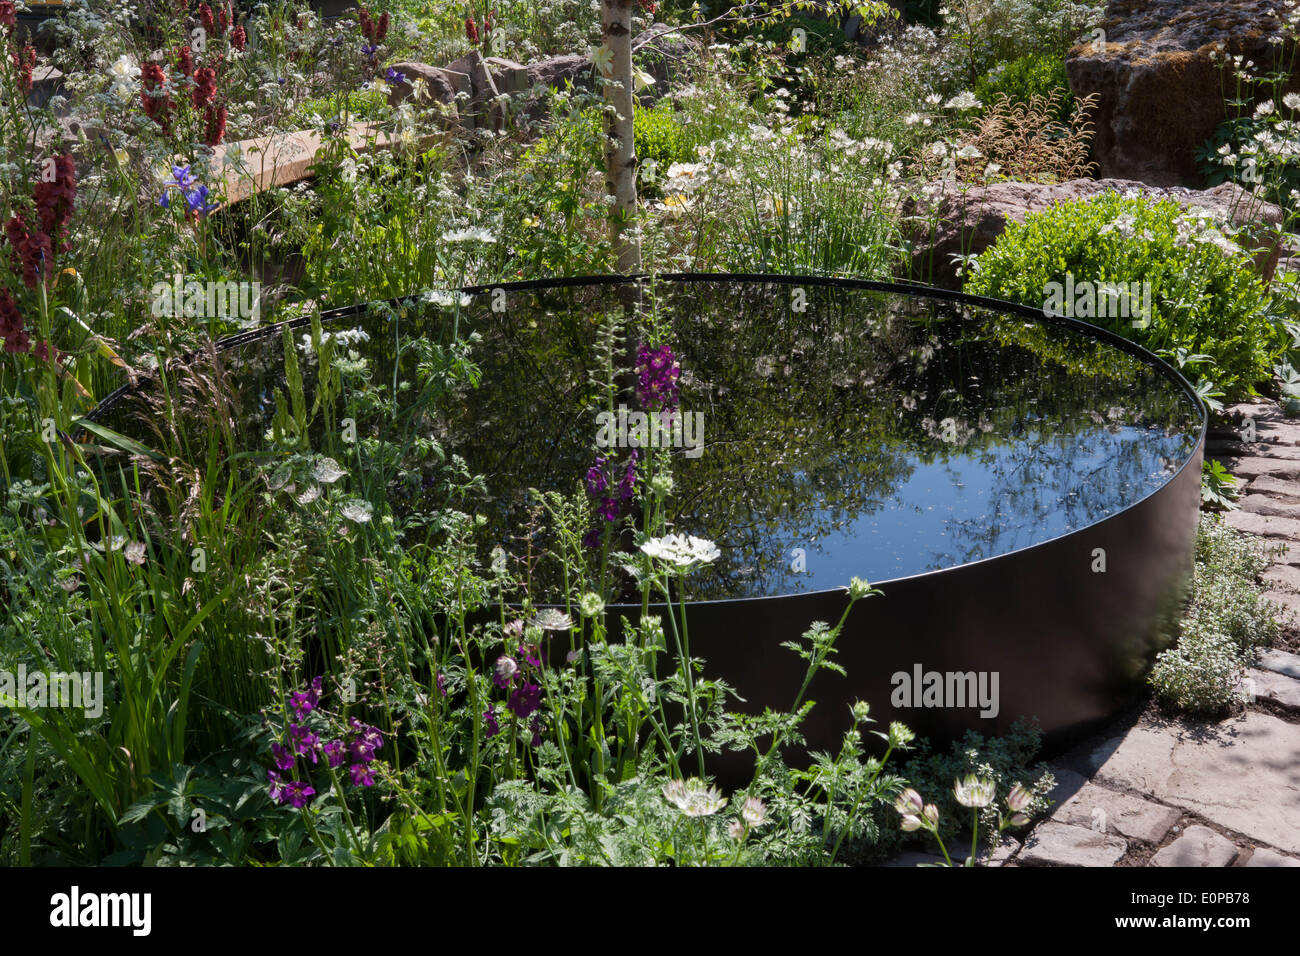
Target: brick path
point(1169, 792)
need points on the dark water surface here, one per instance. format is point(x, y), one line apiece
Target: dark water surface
point(872, 434)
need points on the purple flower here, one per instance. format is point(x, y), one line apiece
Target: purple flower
point(525, 699)
point(304, 741)
point(299, 794)
point(393, 77)
point(370, 49)
point(490, 718)
point(364, 746)
point(283, 759)
point(361, 775)
point(591, 539)
point(182, 179)
point(597, 480)
point(536, 728)
point(304, 702)
point(657, 374)
point(441, 684)
point(609, 509)
point(334, 752)
point(627, 486)
point(277, 786)
point(197, 200)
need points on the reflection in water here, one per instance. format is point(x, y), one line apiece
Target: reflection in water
point(871, 434)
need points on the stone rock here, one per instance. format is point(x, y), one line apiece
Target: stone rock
point(558, 71)
point(443, 85)
point(666, 55)
point(1263, 856)
point(1242, 774)
point(1102, 753)
point(1282, 576)
point(1059, 844)
point(1279, 662)
point(1160, 93)
point(1198, 846)
point(1267, 525)
point(1263, 505)
point(1278, 688)
point(1068, 783)
point(1288, 602)
point(969, 223)
point(1107, 811)
point(1268, 485)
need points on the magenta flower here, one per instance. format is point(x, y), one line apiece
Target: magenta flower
point(657, 373)
point(334, 752)
point(283, 759)
point(304, 742)
point(490, 718)
point(441, 684)
point(298, 794)
point(304, 702)
point(277, 786)
point(369, 740)
point(525, 699)
point(361, 775)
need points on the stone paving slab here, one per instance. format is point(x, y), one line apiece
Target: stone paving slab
point(1263, 856)
point(1258, 449)
point(1109, 812)
point(1280, 689)
point(1251, 467)
point(1280, 662)
point(1267, 525)
point(1197, 846)
point(1060, 844)
point(1287, 601)
point(1282, 577)
point(1243, 773)
point(1264, 505)
point(1268, 485)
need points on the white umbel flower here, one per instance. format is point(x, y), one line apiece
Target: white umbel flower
point(681, 550)
point(694, 798)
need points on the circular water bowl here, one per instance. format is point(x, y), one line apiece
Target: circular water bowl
point(1023, 490)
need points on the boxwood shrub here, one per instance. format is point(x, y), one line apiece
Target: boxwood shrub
point(1204, 294)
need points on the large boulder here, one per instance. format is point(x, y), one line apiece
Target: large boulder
point(442, 85)
point(968, 223)
point(1155, 68)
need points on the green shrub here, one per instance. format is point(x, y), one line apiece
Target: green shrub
point(1200, 675)
point(1021, 79)
point(1007, 761)
point(1202, 292)
point(1227, 617)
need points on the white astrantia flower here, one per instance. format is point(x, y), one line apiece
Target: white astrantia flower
point(309, 495)
point(327, 471)
point(472, 234)
point(134, 552)
point(357, 510)
point(754, 812)
point(682, 550)
point(1264, 109)
point(969, 152)
point(552, 619)
point(1291, 101)
point(974, 792)
point(963, 101)
point(448, 299)
point(694, 798)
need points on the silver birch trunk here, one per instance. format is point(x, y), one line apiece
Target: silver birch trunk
point(620, 143)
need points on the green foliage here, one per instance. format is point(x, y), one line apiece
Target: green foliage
point(1006, 761)
point(1034, 74)
point(1226, 619)
point(1204, 295)
point(1218, 486)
